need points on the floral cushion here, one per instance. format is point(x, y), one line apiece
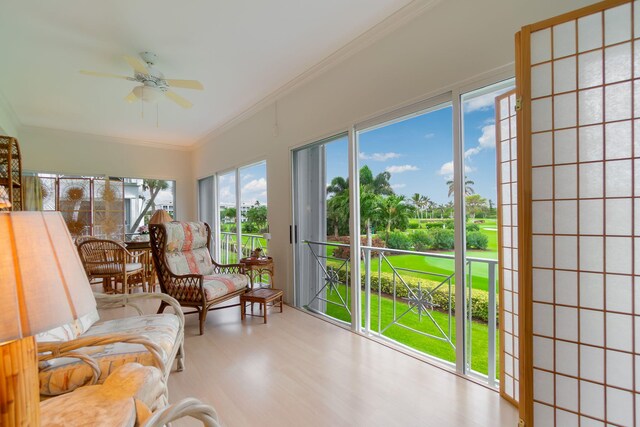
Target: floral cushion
point(197, 261)
point(218, 285)
point(185, 236)
point(71, 330)
point(66, 374)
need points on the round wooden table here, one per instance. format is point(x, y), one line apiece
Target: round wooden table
point(256, 268)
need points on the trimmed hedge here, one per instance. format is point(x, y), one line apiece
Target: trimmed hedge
point(479, 298)
point(477, 240)
point(399, 240)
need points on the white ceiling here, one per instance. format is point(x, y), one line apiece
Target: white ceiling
point(241, 50)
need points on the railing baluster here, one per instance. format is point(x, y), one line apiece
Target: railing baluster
point(367, 290)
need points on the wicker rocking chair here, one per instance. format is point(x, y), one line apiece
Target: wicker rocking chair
point(187, 272)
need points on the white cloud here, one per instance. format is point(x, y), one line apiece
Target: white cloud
point(429, 135)
point(255, 186)
point(379, 157)
point(401, 168)
point(397, 186)
point(446, 170)
point(488, 137)
point(482, 102)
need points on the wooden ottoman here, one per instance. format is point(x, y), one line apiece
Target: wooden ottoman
point(263, 297)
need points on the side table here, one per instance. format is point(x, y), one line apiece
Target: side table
point(263, 297)
point(256, 269)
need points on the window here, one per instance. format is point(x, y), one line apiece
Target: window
point(109, 207)
point(239, 208)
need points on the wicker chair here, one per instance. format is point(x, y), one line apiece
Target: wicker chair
point(187, 272)
point(110, 260)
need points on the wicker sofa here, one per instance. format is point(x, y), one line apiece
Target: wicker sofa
point(187, 272)
point(86, 351)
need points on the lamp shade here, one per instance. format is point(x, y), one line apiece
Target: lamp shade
point(42, 282)
point(160, 217)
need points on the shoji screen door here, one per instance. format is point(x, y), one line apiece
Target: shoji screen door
point(506, 149)
point(579, 221)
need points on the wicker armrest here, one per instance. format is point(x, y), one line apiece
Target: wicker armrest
point(108, 301)
point(189, 407)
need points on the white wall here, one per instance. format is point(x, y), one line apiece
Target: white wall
point(8, 122)
point(450, 43)
point(47, 150)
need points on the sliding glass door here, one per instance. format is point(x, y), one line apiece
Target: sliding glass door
point(421, 184)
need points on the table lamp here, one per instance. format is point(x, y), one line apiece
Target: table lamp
point(160, 217)
point(42, 285)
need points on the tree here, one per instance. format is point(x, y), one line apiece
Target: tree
point(417, 200)
point(228, 213)
point(338, 185)
point(257, 215)
point(154, 186)
point(394, 213)
point(338, 213)
point(475, 204)
point(468, 189)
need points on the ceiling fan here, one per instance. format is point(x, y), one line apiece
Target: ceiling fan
point(153, 83)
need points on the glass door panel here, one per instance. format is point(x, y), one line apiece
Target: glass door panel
point(228, 218)
point(478, 115)
point(407, 231)
point(321, 228)
point(253, 208)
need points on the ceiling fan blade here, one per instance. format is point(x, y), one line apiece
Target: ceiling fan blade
point(178, 99)
point(186, 84)
point(137, 64)
point(98, 74)
point(131, 97)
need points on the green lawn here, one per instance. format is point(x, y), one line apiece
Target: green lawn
point(479, 271)
point(427, 345)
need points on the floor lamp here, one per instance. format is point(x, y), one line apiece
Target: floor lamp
point(42, 286)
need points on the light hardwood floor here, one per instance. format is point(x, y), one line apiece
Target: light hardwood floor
point(299, 370)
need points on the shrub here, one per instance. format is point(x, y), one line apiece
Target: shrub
point(344, 252)
point(434, 224)
point(449, 224)
point(414, 225)
point(399, 240)
point(472, 227)
point(477, 240)
point(422, 241)
point(443, 238)
point(479, 298)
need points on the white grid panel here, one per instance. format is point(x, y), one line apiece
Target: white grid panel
point(584, 149)
point(507, 139)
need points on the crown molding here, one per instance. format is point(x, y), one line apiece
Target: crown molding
point(112, 138)
point(383, 28)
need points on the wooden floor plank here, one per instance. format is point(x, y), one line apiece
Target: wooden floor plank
point(299, 370)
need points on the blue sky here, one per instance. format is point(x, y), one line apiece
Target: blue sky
point(253, 185)
point(418, 152)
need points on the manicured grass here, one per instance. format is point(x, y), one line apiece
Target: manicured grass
point(479, 271)
point(427, 345)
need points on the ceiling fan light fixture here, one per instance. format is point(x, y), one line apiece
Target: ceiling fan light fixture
point(147, 93)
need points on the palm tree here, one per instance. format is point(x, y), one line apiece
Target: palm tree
point(394, 213)
point(338, 212)
point(154, 186)
point(338, 185)
point(468, 189)
point(417, 200)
